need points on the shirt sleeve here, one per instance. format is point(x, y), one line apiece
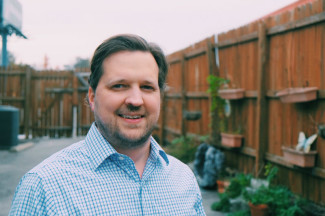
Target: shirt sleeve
point(29, 198)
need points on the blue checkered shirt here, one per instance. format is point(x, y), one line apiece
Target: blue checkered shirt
point(91, 178)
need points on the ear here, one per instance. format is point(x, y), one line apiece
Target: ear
point(91, 98)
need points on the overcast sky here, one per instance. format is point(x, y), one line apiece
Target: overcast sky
point(66, 29)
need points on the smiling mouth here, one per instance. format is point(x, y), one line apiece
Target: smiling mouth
point(131, 116)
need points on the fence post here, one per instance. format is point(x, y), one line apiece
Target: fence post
point(162, 116)
point(183, 95)
point(74, 105)
point(261, 109)
point(27, 102)
point(213, 70)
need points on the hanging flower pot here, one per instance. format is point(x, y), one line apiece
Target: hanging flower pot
point(259, 210)
point(192, 115)
point(299, 158)
point(222, 185)
point(297, 95)
point(231, 94)
point(231, 140)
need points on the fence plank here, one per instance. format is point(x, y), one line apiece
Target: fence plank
point(27, 107)
point(183, 94)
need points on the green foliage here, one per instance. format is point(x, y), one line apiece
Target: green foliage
point(261, 196)
point(237, 185)
point(204, 138)
point(222, 205)
point(280, 200)
point(217, 103)
point(240, 213)
point(270, 172)
point(236, 188)
point(183, 148)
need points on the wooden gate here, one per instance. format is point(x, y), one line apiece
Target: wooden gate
point(51, 103)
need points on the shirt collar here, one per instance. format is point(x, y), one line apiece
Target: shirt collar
point(100, 149)
point(155, 149)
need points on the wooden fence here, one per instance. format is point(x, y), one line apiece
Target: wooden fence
point(186, 93)
point(51, 103)
point(283, 51)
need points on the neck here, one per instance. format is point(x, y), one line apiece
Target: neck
point(139, 155)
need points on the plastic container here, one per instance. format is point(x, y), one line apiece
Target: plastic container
point(9, 126)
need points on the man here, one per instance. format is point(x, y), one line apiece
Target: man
point(118, 169)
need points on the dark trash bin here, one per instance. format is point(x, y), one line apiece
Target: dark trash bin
point(9, 126)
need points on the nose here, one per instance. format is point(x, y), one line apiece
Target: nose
point(134, 97)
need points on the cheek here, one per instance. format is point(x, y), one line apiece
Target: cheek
point(155, 105)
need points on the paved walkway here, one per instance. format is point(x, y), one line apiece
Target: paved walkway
point(13, 165)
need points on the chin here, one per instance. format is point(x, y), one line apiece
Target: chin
point(133, 140)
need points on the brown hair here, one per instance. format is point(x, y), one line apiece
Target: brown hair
point(126, 42)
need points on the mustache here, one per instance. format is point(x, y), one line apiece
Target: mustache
point(132, 108)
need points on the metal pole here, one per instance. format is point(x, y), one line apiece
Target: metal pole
point(4, 48)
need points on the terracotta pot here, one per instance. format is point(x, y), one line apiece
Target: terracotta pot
point(259, 210)
point(231, 140)
point(299, 158)
point(297, 95)
point(222, 185)
point(231, 94)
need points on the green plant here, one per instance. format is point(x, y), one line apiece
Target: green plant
point(235, 189)
point(240, 213)
point(222, 205)
point(183, 148)
point(238, 185)
point(270, 172)
point(204, 138)
point(217, 103)
point(280, 200)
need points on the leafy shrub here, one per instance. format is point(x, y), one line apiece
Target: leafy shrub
point(222, 205)
point(280, 200)
point(183, 148)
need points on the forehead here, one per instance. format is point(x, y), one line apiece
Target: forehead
point(130, 64)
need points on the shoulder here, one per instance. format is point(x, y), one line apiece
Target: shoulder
point(29, 196)
point(177, 166)
point(69, 157)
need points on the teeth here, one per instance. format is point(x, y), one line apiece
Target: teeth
point(131, 117)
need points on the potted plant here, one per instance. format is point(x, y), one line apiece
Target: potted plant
point(231, 140)
point(301, 155)
point(297, 95)
point(232, 94)
point(299, 158)
point(272, 200)
point(232, 192)
point(222, 185)
point(258, 202)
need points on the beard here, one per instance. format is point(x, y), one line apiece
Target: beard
point(117, 138)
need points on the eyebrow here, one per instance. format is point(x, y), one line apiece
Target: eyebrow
point(126, 81)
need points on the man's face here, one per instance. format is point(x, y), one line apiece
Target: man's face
point(126, 103)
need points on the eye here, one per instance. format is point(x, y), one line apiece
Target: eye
point(148, 87)
point(119, 86)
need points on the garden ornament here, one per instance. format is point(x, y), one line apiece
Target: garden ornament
point(305, 143)
point(207, 165)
